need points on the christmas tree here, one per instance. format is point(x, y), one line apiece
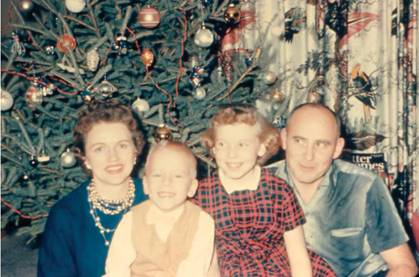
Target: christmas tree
point(173, 61)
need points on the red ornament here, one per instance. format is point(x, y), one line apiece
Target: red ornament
point(66, 43)
point(149, 17)
point(147, 57)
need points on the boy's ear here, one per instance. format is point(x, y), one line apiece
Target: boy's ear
point(145, 185)
point(193, 188)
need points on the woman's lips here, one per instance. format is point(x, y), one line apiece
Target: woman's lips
point(114, 169)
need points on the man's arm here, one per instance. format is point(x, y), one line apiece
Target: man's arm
point(121, 251)
point(400, 261)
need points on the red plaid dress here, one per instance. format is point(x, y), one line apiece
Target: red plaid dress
point(250, 226)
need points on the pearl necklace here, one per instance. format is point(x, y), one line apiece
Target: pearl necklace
point(108, 207)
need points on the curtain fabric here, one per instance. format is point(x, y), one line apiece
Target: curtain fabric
point(360, 58)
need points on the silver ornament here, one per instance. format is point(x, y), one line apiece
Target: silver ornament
point(105, 88)
point(75, 6)
point(269, 77)
point(194, 61)
point(68, 159)
point(48, 89)
point(140, 105)
point(92, 59)
point(204, 37)
point(6, 100)
point(43, 158)
point(25, 6)
point(50, 49)
point(200, 93)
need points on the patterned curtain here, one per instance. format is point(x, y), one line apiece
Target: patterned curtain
point(360, 58)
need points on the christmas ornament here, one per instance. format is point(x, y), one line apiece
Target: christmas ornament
point(277, 96)
point(33, 162)
point(196, 75)
point(162, 133)
point(75, 6)
point(147, 57)
point(49, 49)
point(18, 47)
point(194, 61)
point(92, 59)
point(25, 6)
point(68, 159)
point(232, 14)
point(121, 44)
point(6, 100)
point(200, 93)
point(86, 96)
point(314, 97)
point(34, 95)
point(66, 43)
point(140, 105)
point(105, 88)
point(204, 37)
point(43, 158)
point(149, 17)
point(269, 77)
point(48, 90)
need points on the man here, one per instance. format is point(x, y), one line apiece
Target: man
point(351, 219)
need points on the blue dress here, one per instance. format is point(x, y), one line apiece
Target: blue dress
point(71, 243)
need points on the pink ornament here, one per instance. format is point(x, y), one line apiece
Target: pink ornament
point(149, 17)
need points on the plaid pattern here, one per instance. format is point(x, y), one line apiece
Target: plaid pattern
point(250, 226)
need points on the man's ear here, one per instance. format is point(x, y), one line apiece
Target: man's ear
point(283, 134)
point(193, 188)
point(145, 185)
point(338, 148)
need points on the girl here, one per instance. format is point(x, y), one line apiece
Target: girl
point(257, 217)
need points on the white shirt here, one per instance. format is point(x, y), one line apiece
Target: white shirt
point(122, 252)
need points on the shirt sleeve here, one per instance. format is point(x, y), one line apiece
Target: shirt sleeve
point(121, 251)
point(199, 258)
point(384, 226)
point(55, 258)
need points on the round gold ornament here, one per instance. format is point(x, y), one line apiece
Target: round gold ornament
point(314, 97)
point(162, 133)
point(66, 43)
point(147, 57)
point(232, 14)
point(269, 77)
point(277, 96)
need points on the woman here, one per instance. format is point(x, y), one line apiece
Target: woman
point(80, 226)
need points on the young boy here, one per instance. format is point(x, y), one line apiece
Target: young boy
point(258, 219)
point(165, 235)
